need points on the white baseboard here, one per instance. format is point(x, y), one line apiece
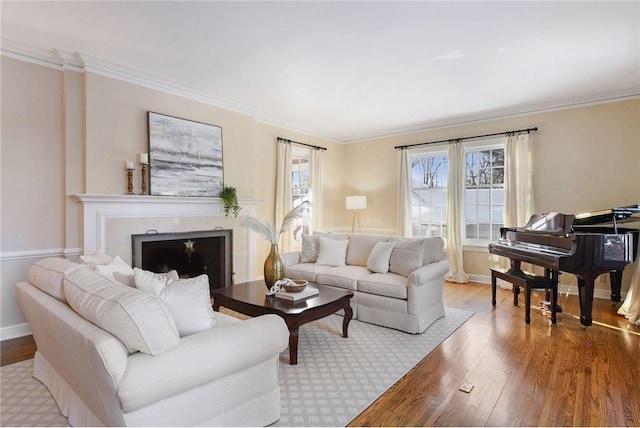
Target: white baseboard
point(14, 331)
point(598, 293)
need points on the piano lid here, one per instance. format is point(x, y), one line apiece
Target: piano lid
point(550, 223)
point(611, 215)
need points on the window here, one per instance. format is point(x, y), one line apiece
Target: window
point(484, 191)
point(429, 175)
point(301, 188)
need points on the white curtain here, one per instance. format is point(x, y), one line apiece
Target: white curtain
point(631, 306)
point(316, 190)
point(518, 185)
point(455, 213)
point(284, 198)
point(404, 194)
point(518, 189)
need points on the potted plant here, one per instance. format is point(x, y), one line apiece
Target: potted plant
point(230, 201)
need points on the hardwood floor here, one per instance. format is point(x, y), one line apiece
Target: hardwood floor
point(522, 375)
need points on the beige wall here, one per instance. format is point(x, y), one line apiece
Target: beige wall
point(584, 159)
point(67, 132)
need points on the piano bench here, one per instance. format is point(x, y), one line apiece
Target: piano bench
point(528, 282)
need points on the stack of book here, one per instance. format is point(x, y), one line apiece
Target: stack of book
point(300, 295)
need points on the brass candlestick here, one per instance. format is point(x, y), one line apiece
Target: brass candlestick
point(143, 168)
point(130, 181)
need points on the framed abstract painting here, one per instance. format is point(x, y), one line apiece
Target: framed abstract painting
point(185, 157)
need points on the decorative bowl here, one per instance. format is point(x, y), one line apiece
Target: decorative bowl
point(299, 285)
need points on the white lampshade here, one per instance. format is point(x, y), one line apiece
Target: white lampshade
point(356, 202)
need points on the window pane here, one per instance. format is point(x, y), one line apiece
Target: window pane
point(497, 196)
point(498, 176)
point(471, 214)
point(498, 157)
point(484, 197)
point(497, 214)
point(428, 194)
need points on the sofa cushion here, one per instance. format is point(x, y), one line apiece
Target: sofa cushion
point(306, 271)
point(379, 257)
point(389, 285)
point(188, 300)
point(332, 252)
point(343, 276)
point(360, 247)
point(407, 256)
point(48, 275)
point(433, 250)
point(139, 319)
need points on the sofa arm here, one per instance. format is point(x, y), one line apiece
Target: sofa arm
point(291, 258)
point(200, 359)
point(428, 272)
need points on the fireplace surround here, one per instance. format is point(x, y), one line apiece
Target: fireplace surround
point(109, 221)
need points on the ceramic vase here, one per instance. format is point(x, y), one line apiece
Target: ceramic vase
point(273, 267)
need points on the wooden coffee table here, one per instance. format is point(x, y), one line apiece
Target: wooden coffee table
point(250, 298)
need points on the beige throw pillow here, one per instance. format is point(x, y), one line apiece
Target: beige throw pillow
point(378, 260)
point(406, 256)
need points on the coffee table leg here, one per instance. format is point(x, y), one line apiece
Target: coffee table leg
point(348, 314)
point(293, 341)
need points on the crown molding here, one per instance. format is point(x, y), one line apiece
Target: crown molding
point(494, 115)
point(62, 61)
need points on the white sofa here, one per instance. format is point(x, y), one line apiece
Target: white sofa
point(226, 375)
point(397, 282)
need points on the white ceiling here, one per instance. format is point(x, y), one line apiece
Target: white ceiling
point(353, 70)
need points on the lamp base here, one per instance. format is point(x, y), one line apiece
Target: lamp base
point(356, 219)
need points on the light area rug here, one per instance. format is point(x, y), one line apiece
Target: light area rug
point(335, 379)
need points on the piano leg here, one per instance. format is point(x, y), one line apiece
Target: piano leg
point(585, 291)
point(616, 283)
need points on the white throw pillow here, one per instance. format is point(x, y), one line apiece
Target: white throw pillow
point(190, 304)
point(406, 256)
point(141, 321)
point(188, 300)
point(116, 265)
point(332, 252)
point(378, 260)
point(153, 282)
point(96, 258)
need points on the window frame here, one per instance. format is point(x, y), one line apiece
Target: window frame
point(476, 146)
point(469, 146)
point(298, 152)
point(434, 150)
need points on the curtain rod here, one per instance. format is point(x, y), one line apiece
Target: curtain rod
point(519, 131)
point(284, 140)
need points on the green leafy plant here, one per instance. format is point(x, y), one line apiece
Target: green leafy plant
point(230, 201)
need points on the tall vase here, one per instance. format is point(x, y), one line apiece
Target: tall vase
point(273, 267)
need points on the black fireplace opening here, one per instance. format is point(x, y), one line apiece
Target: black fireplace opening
point(189, 253)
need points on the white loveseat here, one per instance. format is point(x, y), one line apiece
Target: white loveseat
point(226, 375)
point(397, 282)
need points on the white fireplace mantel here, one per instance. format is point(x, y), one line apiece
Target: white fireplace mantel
point(97, 209)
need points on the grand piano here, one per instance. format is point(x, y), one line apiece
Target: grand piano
point(586, 245)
